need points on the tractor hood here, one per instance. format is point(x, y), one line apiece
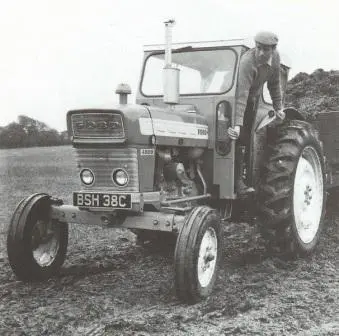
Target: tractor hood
point(115, 125)
point(137, 124)
point(176, 126)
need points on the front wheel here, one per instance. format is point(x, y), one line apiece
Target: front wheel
point(36, 244)
point(197, 255)
point(292, 193)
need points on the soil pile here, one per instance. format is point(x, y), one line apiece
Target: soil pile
point(314, 93)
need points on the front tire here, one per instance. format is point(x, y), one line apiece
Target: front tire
point(292, 193)
point(36, 245)
point(197, 255)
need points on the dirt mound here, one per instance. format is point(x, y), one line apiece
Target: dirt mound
point(314, 93)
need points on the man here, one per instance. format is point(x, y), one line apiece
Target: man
point(257, 66)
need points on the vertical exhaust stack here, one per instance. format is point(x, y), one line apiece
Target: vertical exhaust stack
point(170, 74)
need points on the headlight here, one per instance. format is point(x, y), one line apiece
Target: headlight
point(87, 176)
point(120, 177)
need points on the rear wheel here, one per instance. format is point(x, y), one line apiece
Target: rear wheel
point(36, 245)
point(292, 193)
point(197, 255)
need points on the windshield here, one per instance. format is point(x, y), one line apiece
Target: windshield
point(203, 71)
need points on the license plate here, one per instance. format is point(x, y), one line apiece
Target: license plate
point(102, 200)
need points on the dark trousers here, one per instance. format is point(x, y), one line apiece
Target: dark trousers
point(244, 141)
point(249, 117)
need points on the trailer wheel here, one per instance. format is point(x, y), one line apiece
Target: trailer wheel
point(36, 245)
point(197, 255)
point(292, 194)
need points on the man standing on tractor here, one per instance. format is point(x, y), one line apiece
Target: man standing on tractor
point(257, 66)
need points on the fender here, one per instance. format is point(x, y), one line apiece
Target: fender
point(293, 114)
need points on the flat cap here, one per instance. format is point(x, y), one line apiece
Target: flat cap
point(266, 38)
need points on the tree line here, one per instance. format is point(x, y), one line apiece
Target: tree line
point(28, 132)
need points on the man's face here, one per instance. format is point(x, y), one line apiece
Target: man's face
point(263, 53)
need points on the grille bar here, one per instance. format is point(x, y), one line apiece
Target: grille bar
point(103, 161)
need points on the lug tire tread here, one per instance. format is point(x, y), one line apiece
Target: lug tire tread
point(276, 218)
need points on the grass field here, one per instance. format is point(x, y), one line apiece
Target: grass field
point(25, 171)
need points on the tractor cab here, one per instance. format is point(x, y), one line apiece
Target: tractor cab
point(206, 85)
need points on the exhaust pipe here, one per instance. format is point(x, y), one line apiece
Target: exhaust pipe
point(170, 74)
point(168, 42)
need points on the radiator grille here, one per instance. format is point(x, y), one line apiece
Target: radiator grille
point(103, 161)
point(97, 125)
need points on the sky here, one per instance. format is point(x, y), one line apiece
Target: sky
point(57, 55)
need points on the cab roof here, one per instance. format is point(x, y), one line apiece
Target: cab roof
point(245, 42)
point(201, 44)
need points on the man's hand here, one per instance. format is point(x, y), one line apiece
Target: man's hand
point(280, 114)
point(234, 132)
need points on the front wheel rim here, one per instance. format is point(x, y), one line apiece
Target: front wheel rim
point(308, 195)
point(45, 242)
point(207, 258)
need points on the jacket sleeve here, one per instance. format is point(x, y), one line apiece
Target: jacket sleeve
point(274, 84)
point(245, 80)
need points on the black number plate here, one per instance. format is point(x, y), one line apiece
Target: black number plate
point(102, 200)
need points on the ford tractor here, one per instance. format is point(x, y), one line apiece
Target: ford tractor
point(165, 168)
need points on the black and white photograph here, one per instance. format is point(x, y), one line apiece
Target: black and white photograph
point(169, 168)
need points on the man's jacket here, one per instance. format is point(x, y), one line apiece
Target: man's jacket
point(251, 80)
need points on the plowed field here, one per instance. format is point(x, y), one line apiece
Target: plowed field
point(111, 286)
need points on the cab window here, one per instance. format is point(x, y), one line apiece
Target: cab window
point(201, 71)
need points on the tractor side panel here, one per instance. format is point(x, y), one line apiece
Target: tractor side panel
point(146, 160)
point(224, 175)
point(327, 124)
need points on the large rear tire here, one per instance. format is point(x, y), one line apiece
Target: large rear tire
point(197, 255)
point(292, 191)
point(36, 245)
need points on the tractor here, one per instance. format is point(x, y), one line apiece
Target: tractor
point(165, 168)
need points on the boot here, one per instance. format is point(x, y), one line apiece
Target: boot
point(241, 188)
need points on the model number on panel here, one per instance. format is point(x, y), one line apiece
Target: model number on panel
point(147, 151)
point(202, 131)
